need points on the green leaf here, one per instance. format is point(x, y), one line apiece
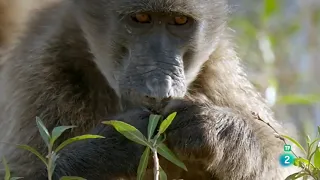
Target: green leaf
point(270, 7)
point(71, 178)
point(317, 158)
point(16, 178)
point(299, 160)
point(166, 123)
point(7, 171)
point(6, 166)
point(299, 99)
point(128, 131)
point(313, 142)
point(296, 175)
point(57, 131)
point(43, 131)
point(291, 29)
point(77, 138)
point(163, 175)
point(165, 152)
point(319, 130)
point(32, 150)
point(143, 163)
point(153, 122)
point(295, 142)
point(308, 139)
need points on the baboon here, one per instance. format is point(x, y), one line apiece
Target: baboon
point(84, 61)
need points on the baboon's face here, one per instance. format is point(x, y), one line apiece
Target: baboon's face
point(151, 49)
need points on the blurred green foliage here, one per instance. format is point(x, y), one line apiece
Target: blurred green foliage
point(279, 43)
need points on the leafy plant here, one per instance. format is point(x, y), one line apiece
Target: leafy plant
point(7, 175)
point(310, 165)
point(53, 153)
point(153, 143)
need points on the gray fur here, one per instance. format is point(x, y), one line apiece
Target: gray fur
point(83, 61)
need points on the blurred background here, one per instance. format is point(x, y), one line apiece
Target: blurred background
point(279, 42)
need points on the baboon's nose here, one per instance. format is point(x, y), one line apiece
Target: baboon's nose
point(159, 87)
point(159, 92)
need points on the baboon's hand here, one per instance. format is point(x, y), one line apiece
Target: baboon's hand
point(212, 135)
point(188, 134)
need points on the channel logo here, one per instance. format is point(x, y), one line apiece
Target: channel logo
point(286, 159)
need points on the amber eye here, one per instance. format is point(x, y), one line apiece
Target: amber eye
point(180, 20)
point(141, 18)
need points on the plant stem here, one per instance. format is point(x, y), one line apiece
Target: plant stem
point(306, 169)
point(277, 134)
point(156, 168)
point(49, 163)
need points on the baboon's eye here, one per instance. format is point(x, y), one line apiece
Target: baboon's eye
point(141, 18)
point(180, 20)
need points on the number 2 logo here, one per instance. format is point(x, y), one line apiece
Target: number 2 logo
point(286, 159)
